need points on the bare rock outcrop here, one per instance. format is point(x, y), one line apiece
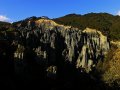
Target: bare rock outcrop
point(53, 43)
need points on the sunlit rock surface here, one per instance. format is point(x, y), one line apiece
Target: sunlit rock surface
point(51, 43)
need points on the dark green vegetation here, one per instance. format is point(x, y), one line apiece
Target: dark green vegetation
point(31, 74)
point(107, 23)
point(4, 26)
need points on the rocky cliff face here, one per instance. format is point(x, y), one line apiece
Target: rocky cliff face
point(51, 45)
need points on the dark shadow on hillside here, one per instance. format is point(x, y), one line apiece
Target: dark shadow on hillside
point(34, 75)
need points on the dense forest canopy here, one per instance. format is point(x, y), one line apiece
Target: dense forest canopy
point(107, 23)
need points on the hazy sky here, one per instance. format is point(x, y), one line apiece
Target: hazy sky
point(13, 10)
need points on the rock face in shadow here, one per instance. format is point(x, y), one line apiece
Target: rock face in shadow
point(53, 56)
point(48, 40)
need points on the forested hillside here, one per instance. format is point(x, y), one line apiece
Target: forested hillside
point(107, 23)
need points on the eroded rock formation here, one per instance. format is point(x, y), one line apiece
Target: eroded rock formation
point(54, 44)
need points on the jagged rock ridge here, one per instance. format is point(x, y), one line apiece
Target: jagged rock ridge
point(50, 44)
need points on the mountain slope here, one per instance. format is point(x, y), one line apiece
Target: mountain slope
point(55, 55)
point(4, 26)
point(104, 22)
